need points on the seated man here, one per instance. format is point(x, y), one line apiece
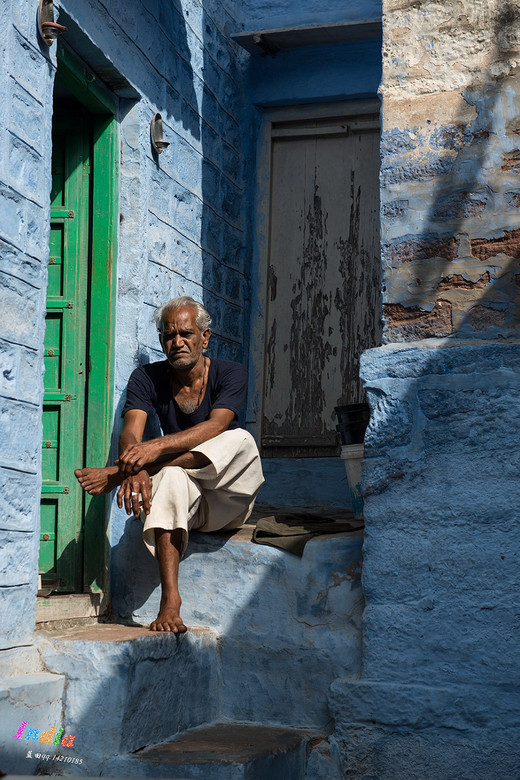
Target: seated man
point(205, 471)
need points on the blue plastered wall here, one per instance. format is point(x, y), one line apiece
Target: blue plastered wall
point(25, 93)
point(438, 694)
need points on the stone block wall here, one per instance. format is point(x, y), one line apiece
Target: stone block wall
point(438, 694)
point(25, 94)
point(449, 170)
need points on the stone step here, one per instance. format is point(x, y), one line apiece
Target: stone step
point(286, 626)
point(224, 751)
point(133, 685)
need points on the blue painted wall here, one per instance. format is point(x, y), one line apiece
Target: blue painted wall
point(182, 229)
point(439, 692)
point(25, 92)
point(316, 74)
point(268, 15)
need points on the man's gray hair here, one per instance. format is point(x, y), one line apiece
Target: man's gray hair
point(202, 319)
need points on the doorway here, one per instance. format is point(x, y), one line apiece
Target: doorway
point(321, 274)
point(79, 327)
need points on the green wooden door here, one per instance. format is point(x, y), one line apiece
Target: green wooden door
point(61, 537)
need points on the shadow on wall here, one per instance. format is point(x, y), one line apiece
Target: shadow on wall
point(474, 166)
point(224, 281)
point(457, 278)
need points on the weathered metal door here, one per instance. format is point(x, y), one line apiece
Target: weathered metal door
point(323, 306)
point(61, 557)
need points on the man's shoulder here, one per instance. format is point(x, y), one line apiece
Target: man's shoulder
point(152, 370)
point(150, 374)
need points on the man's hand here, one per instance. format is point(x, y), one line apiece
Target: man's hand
point(134, 488)
point(137, 456)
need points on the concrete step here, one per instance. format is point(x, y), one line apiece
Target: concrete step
point(224, 751)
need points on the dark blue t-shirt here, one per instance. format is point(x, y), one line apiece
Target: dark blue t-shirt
point(149, 389)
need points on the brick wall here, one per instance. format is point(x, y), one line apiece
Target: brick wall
point(449, 170)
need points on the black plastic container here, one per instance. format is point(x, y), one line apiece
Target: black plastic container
point(353, 420)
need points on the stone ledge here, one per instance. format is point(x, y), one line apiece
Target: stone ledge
point(439, 356)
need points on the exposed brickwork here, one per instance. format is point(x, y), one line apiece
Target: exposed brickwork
point(508, 244)
point(459, 282)
point(412, 323)
point(425, 248)
point(483, 317)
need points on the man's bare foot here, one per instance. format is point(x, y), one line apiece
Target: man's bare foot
point(169, 619)
point(97, 481)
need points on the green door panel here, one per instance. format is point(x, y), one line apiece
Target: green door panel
point(61, 554)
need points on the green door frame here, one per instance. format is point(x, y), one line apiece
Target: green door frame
point(87, 88)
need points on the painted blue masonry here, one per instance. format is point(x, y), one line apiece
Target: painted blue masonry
point(439, 692)
point(25, 93)
point(269, 14)
point(438, 696)
point(182, 230)
point(317, 74)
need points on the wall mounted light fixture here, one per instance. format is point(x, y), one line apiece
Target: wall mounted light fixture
point(156, 134)
point(47, 27)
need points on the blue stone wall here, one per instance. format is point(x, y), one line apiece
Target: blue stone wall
point(25, 94)
point(449, 174)
point(439, 692)
point(268, 15)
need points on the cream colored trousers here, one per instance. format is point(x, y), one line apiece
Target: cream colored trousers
point(218, 497)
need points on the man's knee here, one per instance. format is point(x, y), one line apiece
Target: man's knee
point(167, 477)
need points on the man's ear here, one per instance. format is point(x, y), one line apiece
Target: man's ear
point(205, 337)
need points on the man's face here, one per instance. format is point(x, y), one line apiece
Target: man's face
point(181, 339)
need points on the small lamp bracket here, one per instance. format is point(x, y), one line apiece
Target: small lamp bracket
point(47, 27)
point(156, 134)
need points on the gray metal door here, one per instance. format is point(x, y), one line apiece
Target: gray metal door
point(323, 306)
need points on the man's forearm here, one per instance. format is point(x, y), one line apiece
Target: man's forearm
point(143, 455)
point(186, 460)
point(177, 443)
point(126, 439)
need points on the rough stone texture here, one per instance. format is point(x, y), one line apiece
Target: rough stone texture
point(25, 89)
point(439, 686)
point(449, 162)
point(149, 678)
point(404, 323)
